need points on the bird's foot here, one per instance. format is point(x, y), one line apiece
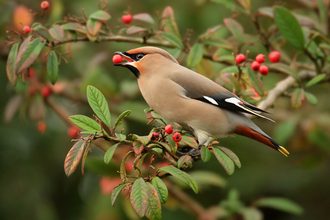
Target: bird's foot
point(194, 153)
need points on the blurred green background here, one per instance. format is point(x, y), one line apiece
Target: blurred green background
point(33, 184)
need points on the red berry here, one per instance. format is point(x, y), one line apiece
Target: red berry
point(31, 74)
point(72, 132)
point(26, 29)
point(45, 92)
point(117, 59)
point(240, 58)
point(255, 65)
point(274, 57)
point(263, 70)
point(127, 18)
point(176, 137)
point(260, 58)
point(168, 129)
point(44, 5)
point(42, 127)
point(155, 136)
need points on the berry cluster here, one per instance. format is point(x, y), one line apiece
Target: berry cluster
point(169, 130)
point(274, 57)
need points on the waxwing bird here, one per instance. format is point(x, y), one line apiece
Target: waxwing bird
point(197, 103)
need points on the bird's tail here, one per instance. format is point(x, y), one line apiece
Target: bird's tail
point(261, 137)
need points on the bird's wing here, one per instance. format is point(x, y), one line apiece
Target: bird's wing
point(203, 89)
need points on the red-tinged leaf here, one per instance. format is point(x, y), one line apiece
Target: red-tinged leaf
point(232, 156)
point(12, 107)
point(255, 81)
point(297, 97)
point(83, 161)
point(183, 160)
point(284, 69)
point(166, 146)
point(57, 32)
point(100, 15)
point(144, 17)
point(154, 210)
point(233, 81)
point(173, 39)
point(195, 55)
point(235, 28)
point(11, 64)
point(224, 160)
point(204, 68)
point(73, 157)
point(90, 37)
point(52, 67)
point(122, 167)
point(37, 109)
point(74, 27)
point(108, 155)
point(134, 30)
point(93, 26)
point(116, 192)
point(27, 54)
point(206, 154)
point(168, 22)
point(137, 147)
point(139, 197)
point(311, 98)
point(161, 189)
point(180, 175)
point(143, 139)
point(190, 141)
point(266, 11)
point(23, 48)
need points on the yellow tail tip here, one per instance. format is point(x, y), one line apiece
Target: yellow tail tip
point(283, 151)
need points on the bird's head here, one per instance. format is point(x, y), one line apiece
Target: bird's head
point(141, 59)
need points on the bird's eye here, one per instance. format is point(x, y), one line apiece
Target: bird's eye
point(139, 56)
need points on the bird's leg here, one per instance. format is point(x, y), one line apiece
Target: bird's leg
point(194, 153)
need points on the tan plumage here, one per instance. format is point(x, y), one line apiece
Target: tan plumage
point(181, 95)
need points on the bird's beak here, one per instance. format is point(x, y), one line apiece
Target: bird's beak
point(126, 59)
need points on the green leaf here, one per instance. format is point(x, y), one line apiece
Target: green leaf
point(235, 28)
point(99, 104)
point(144, 17)
point(228, 3)
point(161, 189)
point(203, 177)
point(73, 158)
point(139, 197)
point(172, 38)
point(205, 154)
point(297, 97)
point(116, 192)
point(182, 176)
point(57, 32)
point(52, 67)
point(224, 160)
point(85, 123)
point(255, 81)
point(282, 204)
point(121, 117)
point(183, 159)
point(230, 69)
point(311, 98)
point(74, 27)
point(190, 141)
point(100, 15)
point(195, 55)
point(97, 166)
point(84, 158)
point(322, 11)
point(122, 167)
point(154, 210)
point(135, 30)
point(232, 156)
point(168, 22)
point(289, 27)
point(285, 130)
point(250, 213)
point(172, 143)
point(121, 137)
point(93, 26)
point(11, 64)
point(284, 69)
point(27, 53)
point(315, 80)
point(108, 155)
point(266, 11)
